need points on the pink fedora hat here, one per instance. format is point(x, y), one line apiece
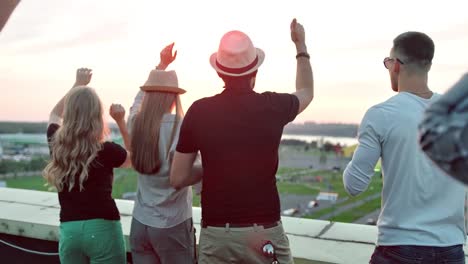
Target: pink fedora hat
point(236, 55)
point(162, 81)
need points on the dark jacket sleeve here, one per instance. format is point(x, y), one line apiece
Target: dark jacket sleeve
point(444, 131)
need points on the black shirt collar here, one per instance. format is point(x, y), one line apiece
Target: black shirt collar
point(238, 90)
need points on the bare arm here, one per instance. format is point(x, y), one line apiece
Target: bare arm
point(304, 77)
point(166, 58)
point(83, 77)
point(183, 172)
point(117, 112)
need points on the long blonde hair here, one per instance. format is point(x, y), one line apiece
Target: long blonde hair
point(146, 127)
point(77, 142)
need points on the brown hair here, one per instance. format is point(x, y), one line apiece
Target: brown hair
point(146, 127)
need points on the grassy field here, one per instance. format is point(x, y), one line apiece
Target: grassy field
point(294, 188)
point(358, 212)
point(125, 180)
point(374, 187)
point(297, 181)
point(30, 183)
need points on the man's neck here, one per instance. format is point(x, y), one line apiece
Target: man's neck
point(416, 85)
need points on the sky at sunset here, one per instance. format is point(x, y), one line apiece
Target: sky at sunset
point(46, 40)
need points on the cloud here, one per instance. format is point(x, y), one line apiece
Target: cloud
point(63, 24)
point(101, 34)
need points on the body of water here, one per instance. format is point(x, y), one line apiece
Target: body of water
point(344, 141)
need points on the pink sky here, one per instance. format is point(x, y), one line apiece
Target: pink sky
point(45, 41)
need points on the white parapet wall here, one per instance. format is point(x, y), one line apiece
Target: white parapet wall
point(35, 214)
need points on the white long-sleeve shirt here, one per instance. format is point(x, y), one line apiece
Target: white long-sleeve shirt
point(420, 205)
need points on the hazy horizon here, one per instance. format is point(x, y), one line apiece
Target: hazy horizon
point(45, 41)
point(110, 121)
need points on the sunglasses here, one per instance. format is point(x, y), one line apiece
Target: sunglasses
point(387, 62)
point(268, 250)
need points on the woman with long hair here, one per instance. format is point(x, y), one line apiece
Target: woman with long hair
point(81, 169)
point(162, 229)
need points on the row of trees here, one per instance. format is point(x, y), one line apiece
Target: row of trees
point(19, 127)
point(11, 166)
point(311, 128)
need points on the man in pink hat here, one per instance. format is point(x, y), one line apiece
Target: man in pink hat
point(238, 133)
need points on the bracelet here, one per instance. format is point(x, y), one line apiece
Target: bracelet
point(303, 54)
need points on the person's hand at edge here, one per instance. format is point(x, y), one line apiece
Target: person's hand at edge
point(117, 112)
point(166, 57)
point(83, 76)
point(298, 36)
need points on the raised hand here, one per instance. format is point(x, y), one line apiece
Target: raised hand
point(117, 112)
point(83, 76)
point(166, 56)
point(297, 33)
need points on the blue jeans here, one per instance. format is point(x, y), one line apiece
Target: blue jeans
point(418, 254)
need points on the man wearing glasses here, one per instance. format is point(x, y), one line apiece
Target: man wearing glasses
point(422, 215)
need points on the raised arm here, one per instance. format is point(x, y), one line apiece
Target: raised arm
point(304, 77)
point(83, 77)
point(117, 112)
point(166, 58)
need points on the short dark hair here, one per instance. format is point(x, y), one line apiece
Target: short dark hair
point(237, 81)
point(415, 47)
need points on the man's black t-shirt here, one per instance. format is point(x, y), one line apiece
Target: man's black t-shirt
point(238, 133)
point(95, 201)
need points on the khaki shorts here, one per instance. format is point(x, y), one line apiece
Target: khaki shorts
point(242, 245)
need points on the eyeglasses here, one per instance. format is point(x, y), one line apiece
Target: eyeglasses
point(268, 251)
point(388, 60)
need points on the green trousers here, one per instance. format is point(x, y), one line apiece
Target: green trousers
point(95, 241)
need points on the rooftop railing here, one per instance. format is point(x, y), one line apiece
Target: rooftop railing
point(35, 214)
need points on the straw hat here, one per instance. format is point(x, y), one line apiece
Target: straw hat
point(162, 81)
point(236, 55)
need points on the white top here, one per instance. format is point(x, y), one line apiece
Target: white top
point(420, 204)
point(157, 204)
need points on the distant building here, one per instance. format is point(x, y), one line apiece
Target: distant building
point(290, 212)
point(327, 196)
point(36, 150)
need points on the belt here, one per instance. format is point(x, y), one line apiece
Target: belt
point(240, 225)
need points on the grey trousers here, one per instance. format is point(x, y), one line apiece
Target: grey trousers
point(163, 245)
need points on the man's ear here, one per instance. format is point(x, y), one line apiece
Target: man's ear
point(396, 67)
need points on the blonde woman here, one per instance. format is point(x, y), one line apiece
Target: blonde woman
point(162, 229)
point(81, 169)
